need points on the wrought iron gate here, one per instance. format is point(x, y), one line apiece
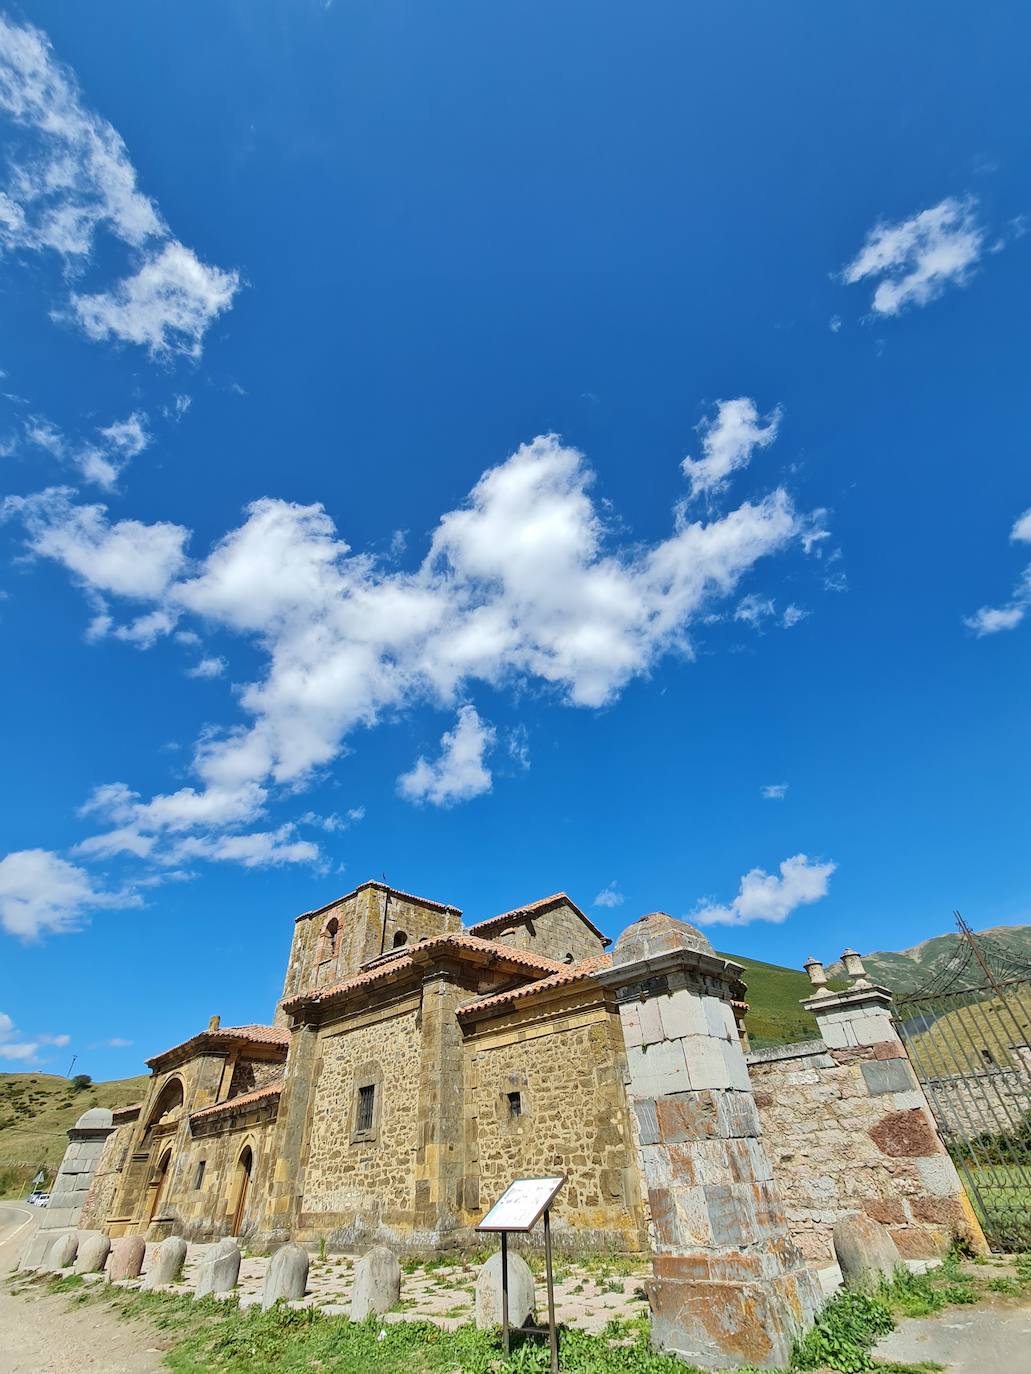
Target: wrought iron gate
point(968, 1033)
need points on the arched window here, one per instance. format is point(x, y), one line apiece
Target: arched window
point(169, 1103)
point(400, 938)
point(331, 938)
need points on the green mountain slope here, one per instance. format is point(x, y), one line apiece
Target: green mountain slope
point(910, 969)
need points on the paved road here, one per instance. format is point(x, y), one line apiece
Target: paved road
point(994, 1336)
point(41, 1333)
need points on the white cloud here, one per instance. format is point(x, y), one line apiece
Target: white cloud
point(793, 615)
point(765, 897)
point(59, 1040)
point(753, 610)
point(126, 558)
point(917, 258)
point(263, 849)
point(70, 176)
point(117, 1043)
point(989, 620)
point(525, 583)
point(775, 791)
point(166, 306)
point(458, 773)
point(39, 891)
point(15, 1048)
point(333, 824)
point(207, 667)
point(728, 442)
point(609, 896)
point(100, 461)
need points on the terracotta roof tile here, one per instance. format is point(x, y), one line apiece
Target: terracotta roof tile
point(242, 1100)
point(254, 1034)
point(541, 904)
point(533, 963)
point(569, 973)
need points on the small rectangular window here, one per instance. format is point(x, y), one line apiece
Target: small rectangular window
point(198, 1177)
point(515, 1104)
point(366, 1103)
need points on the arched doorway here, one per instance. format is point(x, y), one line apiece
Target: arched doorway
point(241, 1187)
point(157, 1186)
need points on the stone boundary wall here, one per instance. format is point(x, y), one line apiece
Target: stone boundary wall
point(973, 1104)
point(848, 1130)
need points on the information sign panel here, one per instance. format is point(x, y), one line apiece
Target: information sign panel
point(521, 1205)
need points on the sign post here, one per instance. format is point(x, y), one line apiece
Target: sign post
point(519, 1208)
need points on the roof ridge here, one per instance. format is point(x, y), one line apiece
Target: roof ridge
point(382, 887)
point(542, 902)
point(567, 973)
point(268, 1090)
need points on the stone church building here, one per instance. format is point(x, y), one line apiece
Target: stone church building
point(413, 1068)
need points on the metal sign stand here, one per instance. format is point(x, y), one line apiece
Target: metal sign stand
point(513, 1213)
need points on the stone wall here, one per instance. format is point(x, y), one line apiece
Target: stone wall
point(108, 1172)
point(361, 1185)
point(557, 934)
point(566, 1063)
point(972, 1104)
point(847, 1130)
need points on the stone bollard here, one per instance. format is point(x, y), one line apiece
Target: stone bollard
point(94, 1248)
point(167, 1264)
point(377, 1283)
point(286, 1276)
point(220, 1269)
point(126, 1258)
point(521, 1300)
point(62, 1252)
point(865, 1251)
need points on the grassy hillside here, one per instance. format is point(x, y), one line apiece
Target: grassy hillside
point(36, 1110)
point(961, 1040)
point(774, 1015)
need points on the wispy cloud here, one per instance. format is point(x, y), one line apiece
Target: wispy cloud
point(100, 460)
point(989, 620)
point(914, 260)
point(775, 791)
point(609, 896)
point(71, 177)
point(766, 897)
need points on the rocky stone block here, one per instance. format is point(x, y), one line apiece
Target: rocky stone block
point(521, 1301)
point(167, 1262)
point(94, 1248)
point(287, 1275)
point(376, 1286)
point(36, 1247)
point(126, 1258)
point(62, 1252)
point(220, 1269)
point(864, 1250)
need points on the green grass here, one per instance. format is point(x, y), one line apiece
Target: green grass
point(1002, 1200)
point(211, 1337)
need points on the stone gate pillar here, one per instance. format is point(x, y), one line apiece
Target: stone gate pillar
point(729, 1287)
point(930, 1206)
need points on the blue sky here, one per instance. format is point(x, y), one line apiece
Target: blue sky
point(505, 450)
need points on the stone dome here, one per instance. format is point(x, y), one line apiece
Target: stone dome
point(657, 933)
point(96, 1119)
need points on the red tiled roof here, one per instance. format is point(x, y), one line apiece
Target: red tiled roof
point(242, 1100)
point(254, 1034)
point(533, 963)
point(569, 973)
point(541, 904)
point(382, 887)
point(126, 1113)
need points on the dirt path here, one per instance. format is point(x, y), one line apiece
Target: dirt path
point(42, 1333)
point(992, 1338)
